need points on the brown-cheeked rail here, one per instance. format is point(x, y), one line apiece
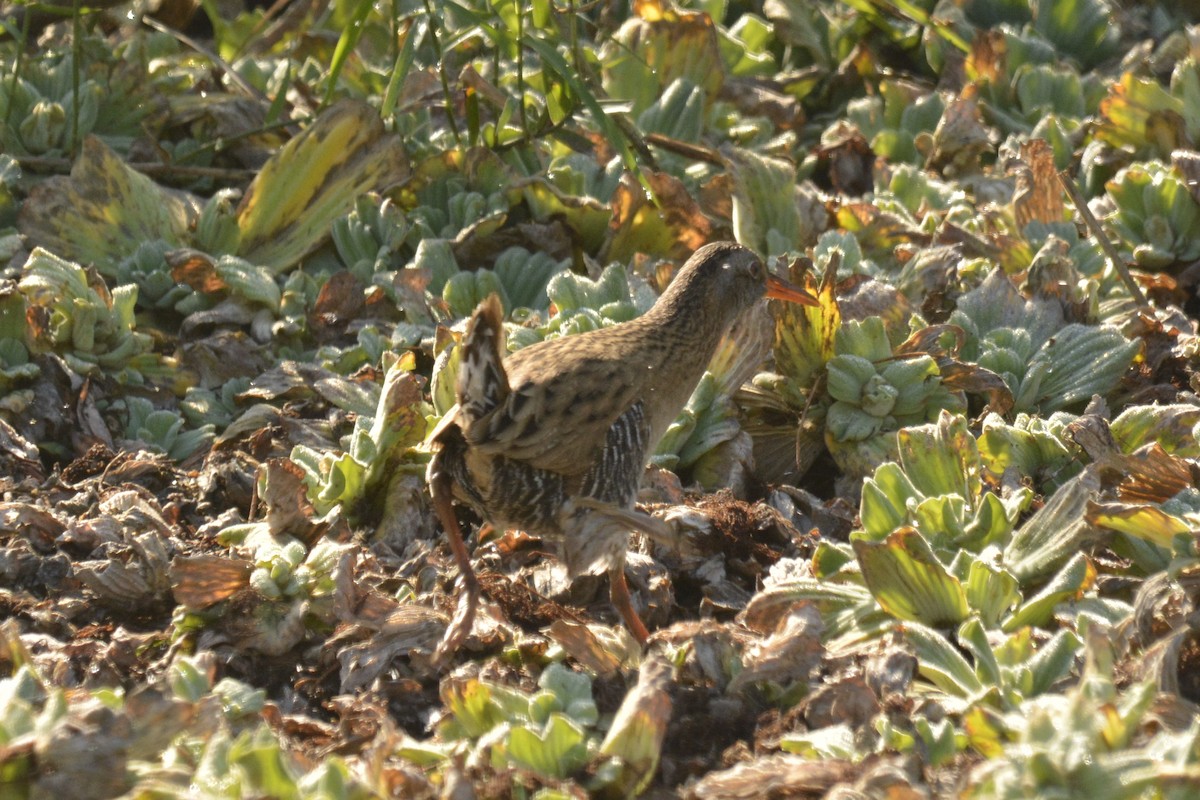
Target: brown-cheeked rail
point(553, 439)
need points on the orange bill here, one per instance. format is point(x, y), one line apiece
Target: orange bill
point(779, 289)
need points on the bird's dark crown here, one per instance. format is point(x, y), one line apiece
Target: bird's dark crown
point(720, 279)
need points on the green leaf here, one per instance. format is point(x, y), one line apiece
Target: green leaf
point(1055, 533)
point(909, 582)
point(104, 211)
point(1076, 576)
point(557, 752)
point(940, 662)
point(313, 180)
point(471, 704)
point(991, 590)
point(573, 691)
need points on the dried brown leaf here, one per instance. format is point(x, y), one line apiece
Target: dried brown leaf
point(36, 524)
point(774, 776)
point(198, 582)
point(196, 269)
point(670, 224)
point(592, 646)
point(789, 654)
point(1039, 194)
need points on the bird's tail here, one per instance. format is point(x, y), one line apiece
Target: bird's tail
point(482, 382)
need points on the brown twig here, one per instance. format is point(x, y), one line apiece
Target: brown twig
point(1110, 250)
point(152, 168)
point(696, 152)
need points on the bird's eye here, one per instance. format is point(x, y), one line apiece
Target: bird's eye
point(756, 270)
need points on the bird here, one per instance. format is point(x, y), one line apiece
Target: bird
point(553, 439)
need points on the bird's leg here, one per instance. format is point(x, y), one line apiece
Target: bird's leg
point(468, 601)
point(618, 592)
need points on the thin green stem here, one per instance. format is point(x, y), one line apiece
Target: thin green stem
point(18, 63)
point(76, 58)
point(521, 66)
point(446, 93)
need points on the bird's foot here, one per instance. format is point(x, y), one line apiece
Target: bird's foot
point(460, 625)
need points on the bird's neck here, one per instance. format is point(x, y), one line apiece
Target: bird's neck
point(685, 330)
point(689, 313)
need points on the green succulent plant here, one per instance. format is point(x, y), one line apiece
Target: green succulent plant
point(583, 305)
point(370, 239)
point(213, 409)
point(708, 419)
point(936, 487)
point(899, 122)
point(217, 230)
point(284, 569)
point(162, 430)
point(15, 368)
point(1155, 215)
point(875, 393)
point(519, 277)
point(147, 269)
point(1048, 366)
point(678, 113)
point(1093, 741)
point(379, 442)
point(1031, 447)
point(771, 212)
point(550, 732)
point(550, 735)
point(1078, 362)
point(449, 206)
point(90, 327)
point(45, 111)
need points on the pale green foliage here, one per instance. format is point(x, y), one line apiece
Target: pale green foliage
point(1047, 365)
point(519, 278)
point(44, 115)
point(936, 488)
point(875, 393)
point(147, 269)
point(90, 329)
point(1078, 362)
point(215, 409)
point(551, 732)
point(1091, 742)
point(1155, 214)
point(162, 430)
point(376, 444)
point(898, 122)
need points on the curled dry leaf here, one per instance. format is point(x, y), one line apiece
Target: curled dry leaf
point(141, 578)
point(407, 629)
point(285, 500)
point(670, 224)
point(1039, 195)
point(636, 735)
point(788, 654)
point(845, 701)
point(36, 524)
point(597, 648)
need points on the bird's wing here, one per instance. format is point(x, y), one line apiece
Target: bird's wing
point(564, 397)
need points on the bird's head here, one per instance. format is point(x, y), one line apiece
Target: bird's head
point(723, 279)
